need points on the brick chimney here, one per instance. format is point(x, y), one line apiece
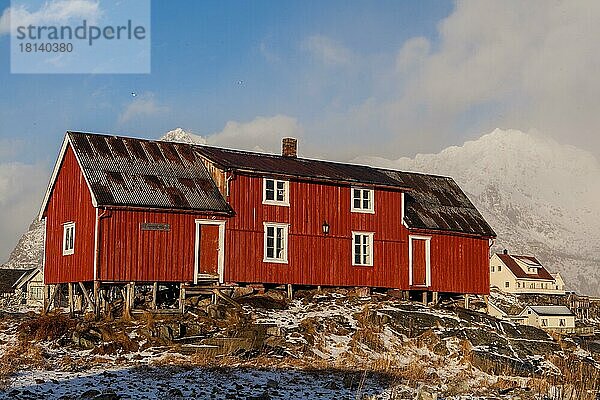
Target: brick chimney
point(289, 147)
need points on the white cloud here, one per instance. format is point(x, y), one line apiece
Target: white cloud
point(534, 64)
point(144, 105)
point(412, 54)
point(262, 133)
point(511, 64)
point(21, 189)
point(328, 51)
point(51, 12)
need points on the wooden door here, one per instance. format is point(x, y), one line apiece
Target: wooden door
point(419, 262)
point(209, 249)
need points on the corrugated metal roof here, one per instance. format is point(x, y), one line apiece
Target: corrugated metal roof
point(551, 310)
point(296, 167)
point(142, 173)
point(509, 261)
point(438, 203)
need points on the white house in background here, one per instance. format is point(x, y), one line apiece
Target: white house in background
point(496, 311)
point(523, 274)
point(30, 287)
point(554, 318)
point(21, 287)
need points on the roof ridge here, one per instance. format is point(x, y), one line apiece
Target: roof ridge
point(414, 173)
point(258, 153)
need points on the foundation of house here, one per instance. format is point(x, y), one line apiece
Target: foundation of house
point(128, 298)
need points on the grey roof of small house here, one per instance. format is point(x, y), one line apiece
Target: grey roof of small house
point(552, 310)
point(124, 171)
point(8, 278)
point(438, 203)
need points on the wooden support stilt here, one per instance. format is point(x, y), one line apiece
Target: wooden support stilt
point(97, 299)
point(52, 297)
point(132, 296)
point(181, 298)
point(71, 299)
point(126, 293)
point(436, 298)
point(46, 297)
point(486, 299)
point(424, 298)
point(290, 292)
point(405, 295)
point(154, 294)
point(90, 303)
point(319, 288)
point(467, 300)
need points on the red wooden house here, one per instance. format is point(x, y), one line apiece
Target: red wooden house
point(122, 210)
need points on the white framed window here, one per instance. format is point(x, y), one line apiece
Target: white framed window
point(544, 322)
point(507, 284)
point(276, 240)
point(363, 200)
point(276, 192)
point(68, 245)
point(492, 268)
point(561, 322)
point(362, 248)
point(499, 268)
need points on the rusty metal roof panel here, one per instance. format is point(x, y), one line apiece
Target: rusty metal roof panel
point(296, 167)
point(509, 261)
point(437, 203)
point(142, 173)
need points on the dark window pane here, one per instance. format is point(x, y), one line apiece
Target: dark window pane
point(269, 189)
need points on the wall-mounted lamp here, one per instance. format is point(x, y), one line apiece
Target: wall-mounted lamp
point(325, 227)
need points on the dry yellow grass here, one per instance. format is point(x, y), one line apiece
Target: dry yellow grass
point(45, 327)
point(18, 357)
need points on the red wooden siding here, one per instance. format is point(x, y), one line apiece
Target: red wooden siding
point(70, 202)
point(459, 264)
point(313, 258)
point(131, 254)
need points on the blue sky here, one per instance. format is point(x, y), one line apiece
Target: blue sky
point(210, 64)
point(349, 78)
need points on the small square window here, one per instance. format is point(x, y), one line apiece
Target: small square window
point(362, 200)
point(499, 268)
point(276, 192)
point(362, 248)
point(68, 245)
point(506, 284)
point(493, 270)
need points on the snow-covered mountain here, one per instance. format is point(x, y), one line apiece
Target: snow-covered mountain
point(182, 136)
point(29, 251)
point(541, 197)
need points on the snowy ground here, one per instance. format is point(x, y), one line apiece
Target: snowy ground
point(196, 383)
point(330, 340)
